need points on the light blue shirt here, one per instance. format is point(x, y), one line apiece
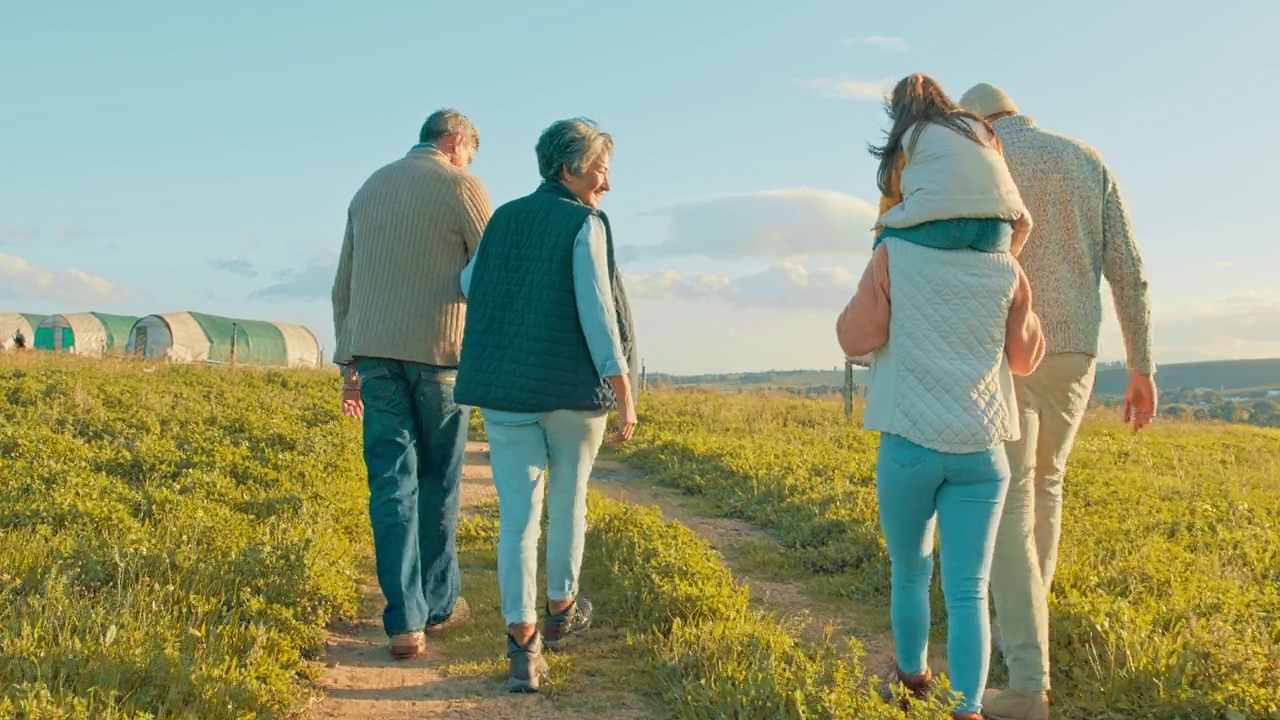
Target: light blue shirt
point(593, 294)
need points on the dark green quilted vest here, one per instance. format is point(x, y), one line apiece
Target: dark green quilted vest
point(523, 349)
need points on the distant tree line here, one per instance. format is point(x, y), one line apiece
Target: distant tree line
point(1192, 404)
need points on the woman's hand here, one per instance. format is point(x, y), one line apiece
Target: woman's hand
point(627, 419)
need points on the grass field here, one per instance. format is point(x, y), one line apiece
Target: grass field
point(1167, 599)
point(173, 541)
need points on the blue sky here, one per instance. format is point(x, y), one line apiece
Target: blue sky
point(158, 157)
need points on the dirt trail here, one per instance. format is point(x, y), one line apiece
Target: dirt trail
point(787, 600)
point(361, 681)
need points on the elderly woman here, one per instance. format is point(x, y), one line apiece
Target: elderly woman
point(548, 351)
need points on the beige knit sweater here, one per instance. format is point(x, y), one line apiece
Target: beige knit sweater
point(411, 228)
point(1082, 234)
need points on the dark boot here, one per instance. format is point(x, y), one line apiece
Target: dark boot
point(527, 666)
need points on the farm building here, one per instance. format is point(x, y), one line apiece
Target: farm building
point(199, 337)
point(13, 324)
point(91, 333)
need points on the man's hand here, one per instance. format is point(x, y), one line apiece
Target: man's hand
point(1140, 401)
point(352, 406)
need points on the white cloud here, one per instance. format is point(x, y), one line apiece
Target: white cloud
point(786, 223)
point(849, 88)
point(20, 279)
point(1224, 264)
point(315, 282)
point(234, 264)
point(784, 286)
point(884, 42)
point(1244, 324)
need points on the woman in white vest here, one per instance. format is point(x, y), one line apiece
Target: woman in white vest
point(941, 387)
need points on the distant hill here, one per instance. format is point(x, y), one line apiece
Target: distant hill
point(1225, 377)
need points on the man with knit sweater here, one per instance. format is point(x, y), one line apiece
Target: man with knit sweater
point(398, 315)
point(1082, 233)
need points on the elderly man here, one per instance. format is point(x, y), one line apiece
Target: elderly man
point(1082, 233)
point(398, 315)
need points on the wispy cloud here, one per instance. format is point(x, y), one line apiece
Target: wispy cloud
point(314, 282)
point(69, 234)
point(849, 88)
point(786, 223)
point(1224, 264)
point(20, 279)
point(884, 42)
point(234, 264)
point(18, 236)
point(783, 286)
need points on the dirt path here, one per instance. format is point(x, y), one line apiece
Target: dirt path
point(361, 681)
point(788, 600)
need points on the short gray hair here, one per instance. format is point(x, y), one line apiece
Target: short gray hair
point(573, 143)
point(447, 121)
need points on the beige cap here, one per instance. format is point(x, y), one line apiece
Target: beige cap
point(987, 100)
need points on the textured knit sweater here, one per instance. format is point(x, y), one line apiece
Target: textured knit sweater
point(1082, 233)
point(411, 229)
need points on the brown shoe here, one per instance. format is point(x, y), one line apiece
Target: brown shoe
point(918, 684)
point(461, 613)
point(1016, 705)
point(408, 645)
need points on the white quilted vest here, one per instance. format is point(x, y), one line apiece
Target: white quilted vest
point(942, 380)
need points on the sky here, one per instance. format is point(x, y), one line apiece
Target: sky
point(159, 157)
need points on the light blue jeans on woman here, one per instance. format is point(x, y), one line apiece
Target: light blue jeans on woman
point(553, 452)
point(964, 495)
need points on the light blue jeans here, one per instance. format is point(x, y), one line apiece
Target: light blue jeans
point(964, 495)
point(555, 454)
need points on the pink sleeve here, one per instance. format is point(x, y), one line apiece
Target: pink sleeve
point(1023, 340)
point(863, 327)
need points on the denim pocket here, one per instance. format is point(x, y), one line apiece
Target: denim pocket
point(435, 391)
point(377, 387)
point(901, 452)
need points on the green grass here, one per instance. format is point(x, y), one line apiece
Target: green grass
point(172, 540)
point(1167, 601)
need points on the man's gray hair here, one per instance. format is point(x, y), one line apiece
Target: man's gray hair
point(447, 121)
point(573, 143)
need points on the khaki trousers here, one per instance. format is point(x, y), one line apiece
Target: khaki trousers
point(1051, 404)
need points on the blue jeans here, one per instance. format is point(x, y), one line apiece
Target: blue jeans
point(565, 443)
point(415, 442)
point(964, 493)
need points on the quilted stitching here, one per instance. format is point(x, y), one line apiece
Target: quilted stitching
point(947, 331)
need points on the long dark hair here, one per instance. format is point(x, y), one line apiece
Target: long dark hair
point(918, 100)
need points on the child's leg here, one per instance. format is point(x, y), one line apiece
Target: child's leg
point(969, 506)
point(907, 477)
